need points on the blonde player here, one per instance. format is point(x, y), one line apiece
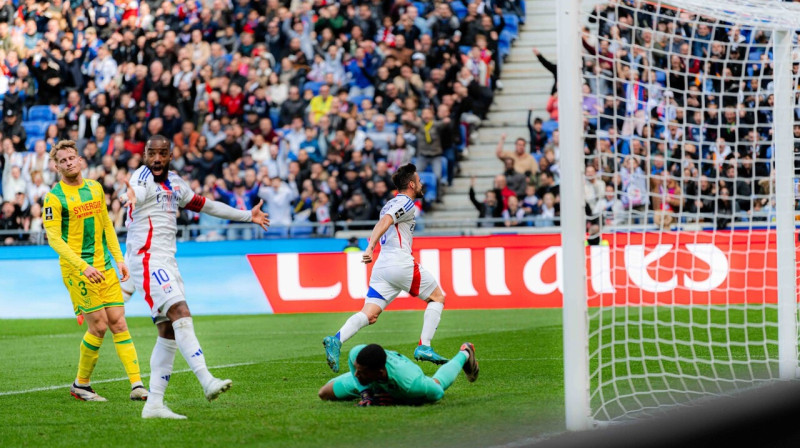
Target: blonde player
point(154, 195)
point(80, 231)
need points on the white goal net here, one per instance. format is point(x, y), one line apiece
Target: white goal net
point(689, 116)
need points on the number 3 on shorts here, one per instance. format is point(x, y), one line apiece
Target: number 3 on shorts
point(82, 285)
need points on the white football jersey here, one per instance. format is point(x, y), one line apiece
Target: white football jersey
point(153, 223)
point(400, 236)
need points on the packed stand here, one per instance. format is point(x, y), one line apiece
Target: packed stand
point(308, 106)
point(677, 113)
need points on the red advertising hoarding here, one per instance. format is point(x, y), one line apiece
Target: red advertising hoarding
point(523, 271)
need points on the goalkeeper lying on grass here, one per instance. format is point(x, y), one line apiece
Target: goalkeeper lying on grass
point(383, 377)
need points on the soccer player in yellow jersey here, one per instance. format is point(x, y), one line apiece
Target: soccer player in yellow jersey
point(80, 231)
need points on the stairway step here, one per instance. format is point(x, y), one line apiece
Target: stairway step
point(526, 84)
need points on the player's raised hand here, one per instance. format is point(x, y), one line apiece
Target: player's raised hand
point(131, 195)
point(93, 274)
point(259, 217)
point(366, 258)
point(126, 273)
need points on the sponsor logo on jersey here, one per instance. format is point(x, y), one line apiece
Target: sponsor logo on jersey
point(86, 209)
point(167, 288)
point(48, 213)
point(166, 200)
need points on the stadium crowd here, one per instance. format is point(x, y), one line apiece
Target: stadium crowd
point(307, 105)
point(678, 123)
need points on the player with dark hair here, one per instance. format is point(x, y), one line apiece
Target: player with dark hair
point(154, 199)
point(394, 272)
point(383, 377)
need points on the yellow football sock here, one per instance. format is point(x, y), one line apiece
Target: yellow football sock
point(90, 347)
point(127, 354)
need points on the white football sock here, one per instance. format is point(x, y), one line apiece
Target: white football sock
point(160, 370)
point(430, 320)
point(190, 349)
point(350, 328)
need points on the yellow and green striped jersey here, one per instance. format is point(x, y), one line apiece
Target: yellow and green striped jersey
point(77, 216)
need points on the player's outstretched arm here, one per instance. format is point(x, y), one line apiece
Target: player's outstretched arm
point(377, 232)
point(224, 211)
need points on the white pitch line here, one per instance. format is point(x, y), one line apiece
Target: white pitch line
point(112, 380)
point(223, 366)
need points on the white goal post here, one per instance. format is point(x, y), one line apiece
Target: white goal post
point(685, 110)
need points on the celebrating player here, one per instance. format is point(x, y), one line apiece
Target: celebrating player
point(382, 377)
point(394, 272)
point(154, 199)
point(80, 231)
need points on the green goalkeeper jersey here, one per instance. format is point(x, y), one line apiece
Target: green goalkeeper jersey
point(406, 382)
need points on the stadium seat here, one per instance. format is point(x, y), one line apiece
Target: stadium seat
point(30, 143)
point(358, 99)
point(36, 128)
point(504, 43)
point(422, 8)
point(661, 77)
point(275, 116)
point(512, 25)
point(301, 231)
point(277, 232)
point(429, 180)
point(40, 113)
point(462, 129)
point(459, 9)
point(312, 86)
point(549, 126)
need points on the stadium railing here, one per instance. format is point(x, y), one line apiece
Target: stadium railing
point(638, 221)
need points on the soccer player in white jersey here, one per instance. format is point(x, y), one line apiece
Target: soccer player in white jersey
point(394, 272)
point(154, 198)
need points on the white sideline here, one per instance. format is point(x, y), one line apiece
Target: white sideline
point(112, 380)
point(222, 366)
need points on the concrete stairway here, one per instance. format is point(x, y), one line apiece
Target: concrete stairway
point(526, 85)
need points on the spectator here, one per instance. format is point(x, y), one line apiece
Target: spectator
point(514, 214)
point(547, 214)
point(594, 189)
point(278, 197)
point(538, 137)
point(524, 163)
point(10, 220)
point(429, 141)
point(241, 199)
point(667, 199)
point(13, 129)
point(501, 189)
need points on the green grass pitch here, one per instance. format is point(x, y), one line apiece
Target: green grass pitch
point(277, 365)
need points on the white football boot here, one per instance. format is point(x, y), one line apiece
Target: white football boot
point(215, 387)
point(84, 393)
point(162, 411)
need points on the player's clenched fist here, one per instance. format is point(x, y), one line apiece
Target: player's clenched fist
point(367, 256)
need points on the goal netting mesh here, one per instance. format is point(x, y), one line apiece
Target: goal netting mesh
point(678, 112)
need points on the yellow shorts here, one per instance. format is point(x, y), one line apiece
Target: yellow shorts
point(88, 297)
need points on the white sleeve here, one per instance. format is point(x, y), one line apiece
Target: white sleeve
point(398, 210)
point(224, 211)
point(141, 183)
